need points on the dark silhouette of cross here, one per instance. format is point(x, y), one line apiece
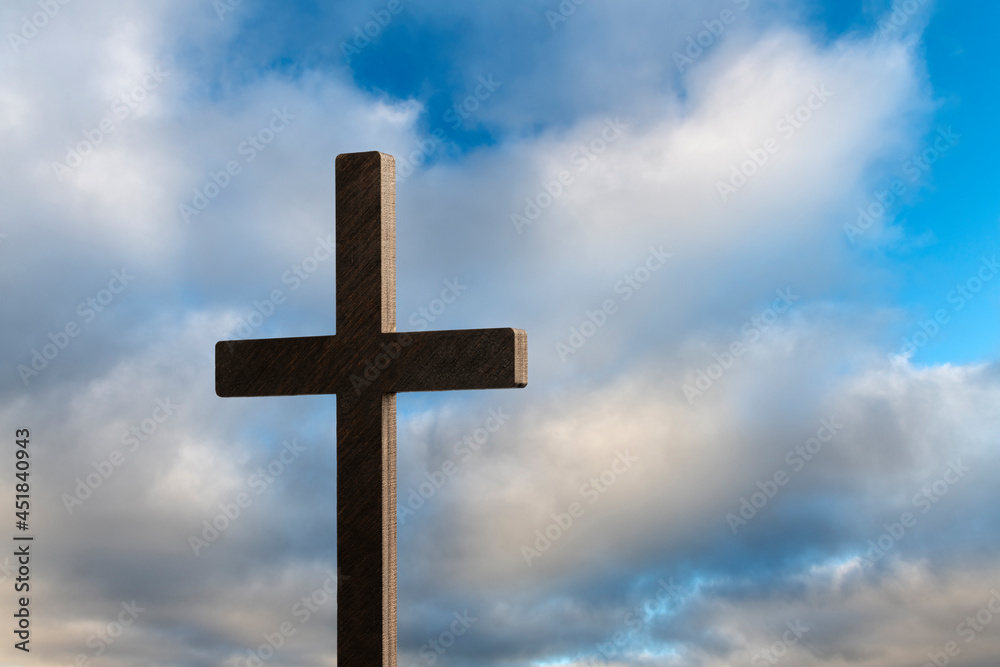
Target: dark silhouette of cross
point(365, 364)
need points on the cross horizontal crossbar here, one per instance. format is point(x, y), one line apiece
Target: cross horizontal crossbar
point(387, 363)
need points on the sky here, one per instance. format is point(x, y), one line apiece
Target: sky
point(751, 243)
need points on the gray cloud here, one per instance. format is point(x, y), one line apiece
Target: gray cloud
point(663, 518)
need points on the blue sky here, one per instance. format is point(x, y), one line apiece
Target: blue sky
point(423, 60)
point(721, 394)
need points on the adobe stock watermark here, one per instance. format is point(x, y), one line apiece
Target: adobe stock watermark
point(973, 626)
point(309, 605)
point(372, 368)
point(462, 110)
point(296, 275)
point(464, 449)
point(99, 642)
point(131, 440)
point(902, 12)
point(259, 482)
point(592, 490)
point(425, 315)
point(752, 330)
point(628, 286)
point(34, 23)
point(303, 611)
point(561, 13)
point(787, 126)
point(635, 620)
point(365, 35)
point(223, 7)
point(434, 648)
point(959, 298)
point(120, 110)
point(581, 160)
point(456, 117)
point(914, 168)
point(797, 458)
point(773, 654)
point(88, 311)
point(249, 149)
point(925, 500)
point(698, 43)
point(408, 163)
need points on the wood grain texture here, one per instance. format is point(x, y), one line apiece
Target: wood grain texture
point(424, 361)
point(366, 530)
point(366, 244)
point(365, 364)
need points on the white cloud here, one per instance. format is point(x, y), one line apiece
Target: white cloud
point(663, 516)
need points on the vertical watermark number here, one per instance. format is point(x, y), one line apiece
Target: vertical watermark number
point(22, 542)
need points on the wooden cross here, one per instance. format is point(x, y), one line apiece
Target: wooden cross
point(365, 365)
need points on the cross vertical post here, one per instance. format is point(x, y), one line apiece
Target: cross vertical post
point(366, 419)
